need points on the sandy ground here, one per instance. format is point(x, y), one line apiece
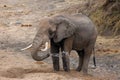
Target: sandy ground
point(17, 65)
point(19, 21)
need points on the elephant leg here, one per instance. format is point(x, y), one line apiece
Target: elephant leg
point(66, 48)
point(88, 52)
point(81, 57)
point(55, 56)
point(66, 61)
point(55, 63)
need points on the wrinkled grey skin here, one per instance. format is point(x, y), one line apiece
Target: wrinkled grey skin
point(73, 32)
point(40, 38)
point(68, 32)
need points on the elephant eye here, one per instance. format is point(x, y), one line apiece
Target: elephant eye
point(67, 26)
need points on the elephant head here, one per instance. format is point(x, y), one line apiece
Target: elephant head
point(40, 39)
point(64, 28)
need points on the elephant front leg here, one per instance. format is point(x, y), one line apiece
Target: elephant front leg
point(66, 48)
point(66, 61)
point(55, 59)
point(55, 56)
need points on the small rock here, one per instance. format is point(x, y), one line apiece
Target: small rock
point(5, 5)
point(18, 22)
point(26, 25)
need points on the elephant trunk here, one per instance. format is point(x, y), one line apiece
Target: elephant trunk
point(35, 56)
point(37, 42)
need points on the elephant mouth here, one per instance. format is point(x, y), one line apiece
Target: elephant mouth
point(56, 39)
point(43, 47)
point(55, 36)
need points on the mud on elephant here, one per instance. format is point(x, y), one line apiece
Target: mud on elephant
point(66, 32)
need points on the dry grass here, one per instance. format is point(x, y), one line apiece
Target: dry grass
point(107, 20)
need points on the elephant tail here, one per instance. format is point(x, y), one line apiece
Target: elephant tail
point(94, 59)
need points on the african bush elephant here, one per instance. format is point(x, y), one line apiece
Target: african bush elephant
point(66, 32)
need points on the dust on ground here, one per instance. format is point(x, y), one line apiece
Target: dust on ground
point(19, 21)
point(17, 65)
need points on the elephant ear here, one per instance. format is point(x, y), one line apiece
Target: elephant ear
point(66, 23)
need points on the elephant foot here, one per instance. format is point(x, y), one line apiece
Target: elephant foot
point(56, 66)
point(84, 72)
point(66, 61)
point(66, 69)
point(66, 65)
point(78, 69)
point(55, 70)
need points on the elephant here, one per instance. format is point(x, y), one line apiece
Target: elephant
point(66, 33)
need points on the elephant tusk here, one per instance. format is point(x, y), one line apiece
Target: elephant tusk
point(46, 47)
point(27, 47)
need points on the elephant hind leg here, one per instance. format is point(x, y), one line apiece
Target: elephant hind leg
point(81, 57)
point(87, 54)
